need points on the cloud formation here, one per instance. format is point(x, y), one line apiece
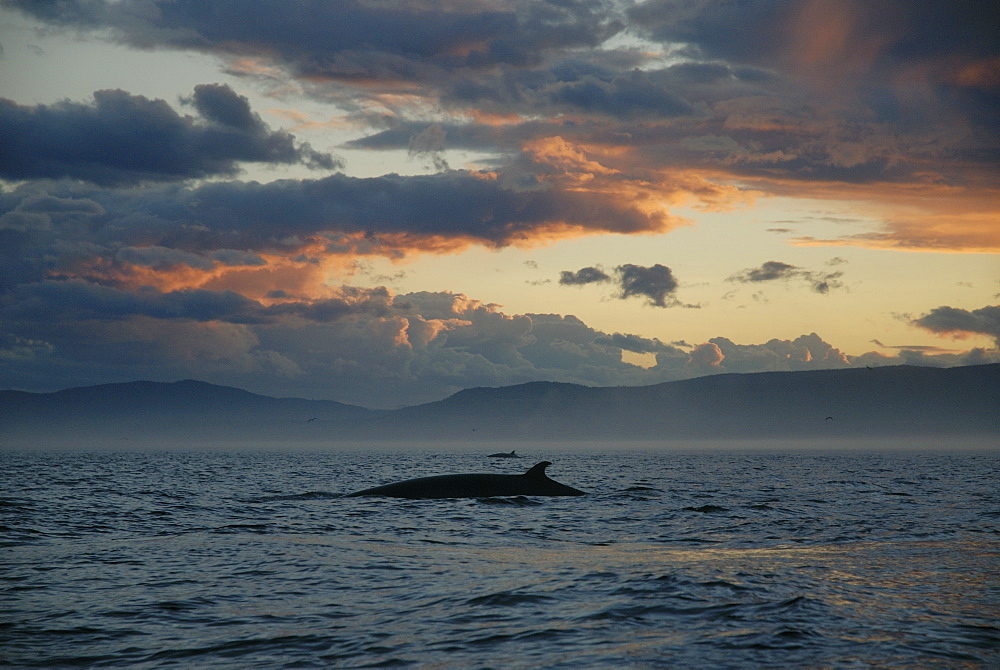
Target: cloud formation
point(962, 322)
point(583, 276)
point(655, 283)
point(671, 102)
point(821, 282)
point(128, 248)
point(363, 346)
point(121, 139)
point(107, 233)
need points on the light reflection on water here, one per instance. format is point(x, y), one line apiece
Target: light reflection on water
point(720, 559)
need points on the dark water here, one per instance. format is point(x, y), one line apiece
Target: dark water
point(675, 560)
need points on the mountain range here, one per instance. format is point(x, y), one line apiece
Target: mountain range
point(898, 402)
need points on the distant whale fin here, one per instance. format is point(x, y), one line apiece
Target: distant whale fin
point(537, 471)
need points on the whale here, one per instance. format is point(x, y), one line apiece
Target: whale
point(534, 482)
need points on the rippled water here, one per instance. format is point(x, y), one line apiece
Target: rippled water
point(714, 559)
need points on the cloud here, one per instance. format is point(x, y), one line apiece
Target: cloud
point(821, 282)
point(364, 346)
point(122, 139)
point(961, 322)
point(655, 283)
point(588, 275)
point(430, 143)
point(321, 40)
point(638, 345)
point(117, 262)
point(814, 98)
point(706, 356)
point(807, 352)
point(291, 226)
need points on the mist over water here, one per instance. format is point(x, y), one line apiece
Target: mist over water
point(677, 558)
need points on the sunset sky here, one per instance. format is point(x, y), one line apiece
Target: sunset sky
point(382, 202)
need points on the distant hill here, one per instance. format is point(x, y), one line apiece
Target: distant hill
point(881, 402)
point(872, 402)
point(183, 410)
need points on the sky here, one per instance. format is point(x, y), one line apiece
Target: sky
point(382, 202)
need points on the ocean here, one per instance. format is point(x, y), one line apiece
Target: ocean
point(711, 557)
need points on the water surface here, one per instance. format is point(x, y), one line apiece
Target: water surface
point(724, 559)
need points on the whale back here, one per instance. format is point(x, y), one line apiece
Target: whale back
point(534, 482)
point(537, 471)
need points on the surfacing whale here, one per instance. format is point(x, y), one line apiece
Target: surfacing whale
point(534, 482)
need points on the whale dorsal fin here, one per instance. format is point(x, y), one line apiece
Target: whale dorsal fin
point(537, 471)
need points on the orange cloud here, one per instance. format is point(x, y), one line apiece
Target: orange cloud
point(571, 161)
point(983, 74)
point(485, 118)
point(833, 41)
point(918, 217)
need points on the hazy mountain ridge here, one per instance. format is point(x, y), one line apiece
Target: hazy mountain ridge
point(186, 409)
point(881, 401)
point(890, 401)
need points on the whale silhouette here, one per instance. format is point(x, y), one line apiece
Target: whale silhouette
point(534, 482)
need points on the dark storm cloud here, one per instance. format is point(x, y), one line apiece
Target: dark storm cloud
point(870, 46)
point(348, 39)
point(655, 283)
point(636, 94)
point(760, 32)
point(55, 227)
point(583, 276)
point(956, 321)
point(123, 139)
point(455, 204)
point(80, 301)
point(837, 91)
point(821, 282)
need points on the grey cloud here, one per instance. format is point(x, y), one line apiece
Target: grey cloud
point(637, 344)
point(236, 258)
point(707, 356)
point(983, 321)
point(759, 33)
point(588, 275)
point(807, 352)
point(868, 57)
point(122, 139)
point(322, 39)
point(161, 257)
point(632, 95)
point(738, 101)
point(430, 143)
point(78, 300)
point(767, 272)
point(219, 104)
point(655, 283)
point(366, 346)
point(164, 257)
point(821, 282)
point(50, 227)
